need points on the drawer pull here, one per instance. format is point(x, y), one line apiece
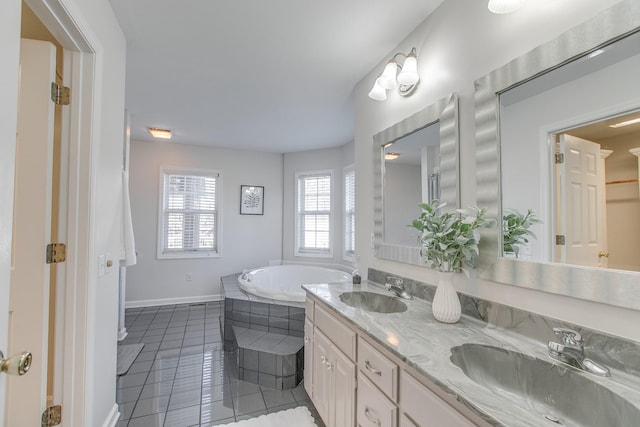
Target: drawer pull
point(367, 413)
point(323, 360)
point(372, 369)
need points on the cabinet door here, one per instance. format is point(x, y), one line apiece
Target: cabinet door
point(343, 410)
point(308, 357)
point(322, 387)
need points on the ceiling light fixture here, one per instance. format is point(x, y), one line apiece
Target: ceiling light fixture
point(406, 81)
point(504, 6)
point(391, 156)
point(626, 123)
point(160, 133)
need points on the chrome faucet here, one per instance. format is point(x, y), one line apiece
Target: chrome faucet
point(571, 352)
point(396, 285)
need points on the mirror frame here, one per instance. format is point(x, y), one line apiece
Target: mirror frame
point(614, 287)
point(444, 111)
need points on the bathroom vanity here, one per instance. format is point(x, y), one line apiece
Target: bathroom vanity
point(370, 365)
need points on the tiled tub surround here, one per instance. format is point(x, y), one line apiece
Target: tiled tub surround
point(424, 345)
point(267, 335)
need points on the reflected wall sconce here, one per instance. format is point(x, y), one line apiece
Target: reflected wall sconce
point(406, 81)
point(504, 6)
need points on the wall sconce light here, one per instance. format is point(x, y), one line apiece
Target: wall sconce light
point(391, 156)
point(504, 6)
point(406, 81)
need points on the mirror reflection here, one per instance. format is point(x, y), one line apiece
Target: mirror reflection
point(411, 177)
point(565, 148)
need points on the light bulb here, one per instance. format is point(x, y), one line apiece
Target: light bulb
point(388, 78)
point(504, 6)
point(378, 92)
point(409, 74)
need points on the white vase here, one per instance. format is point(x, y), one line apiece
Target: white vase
point(446, 304)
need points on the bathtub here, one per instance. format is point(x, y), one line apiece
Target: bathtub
point(284, 282)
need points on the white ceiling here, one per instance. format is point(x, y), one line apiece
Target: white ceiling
point(268, 75)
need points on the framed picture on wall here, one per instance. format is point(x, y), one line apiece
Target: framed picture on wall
point(251, 200)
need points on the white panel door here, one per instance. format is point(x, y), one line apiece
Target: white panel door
point(29, 288)
point(582, 193)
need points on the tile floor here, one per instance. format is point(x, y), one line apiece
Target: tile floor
point(184, 378)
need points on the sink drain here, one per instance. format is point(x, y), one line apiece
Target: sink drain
point(553, 419)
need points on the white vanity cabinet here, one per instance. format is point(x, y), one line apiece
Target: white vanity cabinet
point(387, 392)
point(330, 372)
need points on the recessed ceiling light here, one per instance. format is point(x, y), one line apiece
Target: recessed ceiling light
point(391, 156)
point(160, 133)
point(626, 123)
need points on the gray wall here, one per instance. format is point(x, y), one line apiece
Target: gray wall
point(246, 240)
point(459, 43)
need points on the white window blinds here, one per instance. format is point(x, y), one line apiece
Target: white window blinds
point(313, 225)
point(189, 213)
point(349, 212)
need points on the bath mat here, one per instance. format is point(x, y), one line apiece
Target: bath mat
point(127, 354)
point(298, 417)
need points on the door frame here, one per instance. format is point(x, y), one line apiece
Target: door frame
point(83, 56)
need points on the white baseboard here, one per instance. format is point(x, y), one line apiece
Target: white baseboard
point(112, 418)
point(122, 334)
point(172, 301)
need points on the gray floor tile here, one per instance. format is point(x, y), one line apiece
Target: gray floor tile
point(151, 406)
point(130, 394)
point(249, 403)
point(250, 415)
point(161, 375)
point(282, 407)
point(187, 384)
point(185, 399)
point(243, 388)
point(273, 398)
point(215, 392)
point(140, 366)
point(153, 420)
point(131, 380)
point(156, 389)
point(216, 411)
point(146, 355)
point(183, 417)
point(126, 409)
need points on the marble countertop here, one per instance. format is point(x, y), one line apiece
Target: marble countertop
point(424, 344)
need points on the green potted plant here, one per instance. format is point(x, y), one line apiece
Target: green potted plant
point(516, 230)
point(449, 243)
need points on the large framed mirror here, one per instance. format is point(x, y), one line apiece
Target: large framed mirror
point(556, 136)
point(415, 160)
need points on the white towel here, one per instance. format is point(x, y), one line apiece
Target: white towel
point(129, 255)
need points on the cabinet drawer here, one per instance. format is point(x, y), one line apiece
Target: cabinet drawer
point(343, 337)
point(374, 409)
point(422, 405)
point(308, 308)
point(378, 368)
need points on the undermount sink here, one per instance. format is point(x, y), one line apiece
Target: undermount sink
point(370, 301)
point(560, 395)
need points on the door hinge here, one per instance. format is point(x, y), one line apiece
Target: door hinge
point(559, 158)
point(60, 94)
point(560, 239)
point(56, 252)
point(52, 416)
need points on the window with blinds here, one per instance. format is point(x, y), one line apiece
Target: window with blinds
point(349, 213)
point(189, 214)
point(314, 217)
